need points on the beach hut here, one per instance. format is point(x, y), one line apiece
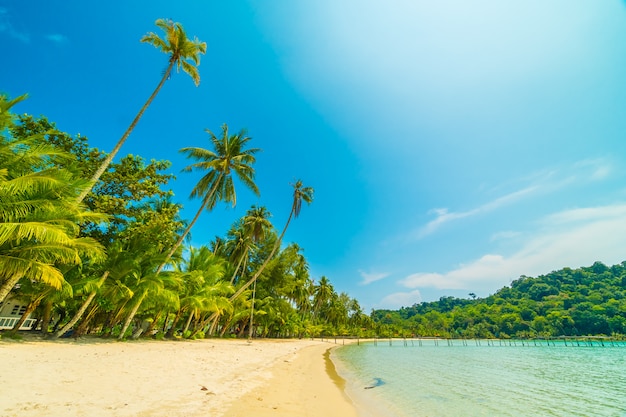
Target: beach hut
point(11, 311)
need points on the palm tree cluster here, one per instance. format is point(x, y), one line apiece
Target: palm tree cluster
point(107, 255)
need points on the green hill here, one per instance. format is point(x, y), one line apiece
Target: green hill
point(569, 302)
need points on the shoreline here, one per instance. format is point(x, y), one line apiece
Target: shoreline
point(217, 377)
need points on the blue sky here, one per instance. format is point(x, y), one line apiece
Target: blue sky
point(453, 146)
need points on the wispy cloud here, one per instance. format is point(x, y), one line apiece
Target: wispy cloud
point(548, 181)
point(569, 238)
point(7, 28)
point(443, 216)
point(369, 277)
point(57, 38)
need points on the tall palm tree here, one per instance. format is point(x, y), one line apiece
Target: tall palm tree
point(300, 194)
point(229, 156)
point(323, 294)
point(257, 225)
point(180, 49)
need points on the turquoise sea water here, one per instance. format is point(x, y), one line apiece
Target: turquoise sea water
point(490, 379)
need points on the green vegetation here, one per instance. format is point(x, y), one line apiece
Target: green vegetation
point(569, 302)
point(106, 256)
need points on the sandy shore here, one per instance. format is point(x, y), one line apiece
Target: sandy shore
point(170, 378)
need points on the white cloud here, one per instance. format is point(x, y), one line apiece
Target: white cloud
point(400, 299)
point(368, 278)
point(571, 238)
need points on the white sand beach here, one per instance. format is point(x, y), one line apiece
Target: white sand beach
point(214, 377)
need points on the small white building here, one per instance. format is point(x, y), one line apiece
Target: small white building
point(11, 311)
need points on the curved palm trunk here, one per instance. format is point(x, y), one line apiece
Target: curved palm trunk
point(241, 260)
point(131, 315)
point(46, 317)
point(252, 311)
point(257, 274)
point(81, 310)
point(172, 329)
point(182, 237)
point(107, 161)
point(188, 323)
point(8, 285)
point(29, 309)
point(84, 324)
point(152, 325)
point(260, 270)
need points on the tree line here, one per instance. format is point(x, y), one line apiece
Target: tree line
point(94, 245)
point(569, 302)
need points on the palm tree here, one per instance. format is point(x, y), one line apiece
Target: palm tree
point(144, 282)
point(38, 226)
point(323, 294)
point(257, 225)
point(202, 283)
point(180, 50)
point(217, 184)
point(300, 194)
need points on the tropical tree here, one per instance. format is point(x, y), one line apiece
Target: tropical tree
point(300, 194)
point(229, 156)
point(39, 219)
point(181, 50)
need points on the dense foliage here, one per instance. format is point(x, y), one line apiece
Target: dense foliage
point(568, 302)
point(112, 264)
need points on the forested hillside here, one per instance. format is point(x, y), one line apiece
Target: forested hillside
point(568, 302)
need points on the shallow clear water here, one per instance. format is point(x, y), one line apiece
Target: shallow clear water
point(490, 379)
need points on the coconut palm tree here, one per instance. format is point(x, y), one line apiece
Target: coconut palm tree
point(229, 156)
point(323, 294)
point(300, 194)
point(39, 220)
point(201, 276)
point(181, 50)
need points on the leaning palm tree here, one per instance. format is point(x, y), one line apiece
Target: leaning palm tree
point(300, 194)
point(229, 156)
point(180, 49)
point(250, 230)
point(39, 225)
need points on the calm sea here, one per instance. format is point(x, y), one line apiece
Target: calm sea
point(421, 379)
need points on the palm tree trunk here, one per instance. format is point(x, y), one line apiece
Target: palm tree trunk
point(188, 323)
point(82, 309)
point(29, 309)
point(152, 325)
point(46, 316)
point(8, 285)
point(84, 324)
point(107, 161)
point(267, 260)
point(252, 311)
point(131, 316)
point(182, 237)
point(260, 270)
point(232, 279)
point(172, 329)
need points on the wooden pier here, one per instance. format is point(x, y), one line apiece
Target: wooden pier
point(564, 341)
